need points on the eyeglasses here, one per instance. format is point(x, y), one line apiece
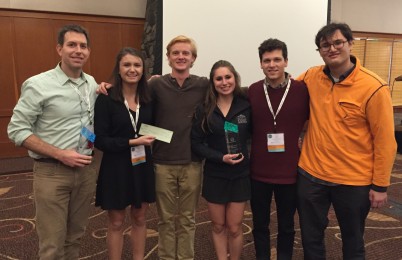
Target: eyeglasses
point(338, 44)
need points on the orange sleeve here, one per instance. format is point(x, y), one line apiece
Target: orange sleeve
point(380, 118)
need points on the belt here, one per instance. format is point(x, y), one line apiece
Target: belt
point(47, 160)
point(51, 160)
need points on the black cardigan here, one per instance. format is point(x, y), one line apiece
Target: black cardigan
point(212, 144)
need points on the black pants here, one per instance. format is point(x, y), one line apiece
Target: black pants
point(351, 205)
point(286, 202)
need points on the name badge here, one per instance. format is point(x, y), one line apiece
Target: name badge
point(88, 133)
point(138, 154)
point(86, 140)
point(276, 142)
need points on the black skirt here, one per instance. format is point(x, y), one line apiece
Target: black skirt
point(120, 184)
point(222, 191)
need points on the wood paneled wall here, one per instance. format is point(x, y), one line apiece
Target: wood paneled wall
point(28, 46)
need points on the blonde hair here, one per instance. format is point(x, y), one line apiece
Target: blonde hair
point(183, 39)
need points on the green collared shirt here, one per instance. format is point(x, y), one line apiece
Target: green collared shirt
point(51, 109)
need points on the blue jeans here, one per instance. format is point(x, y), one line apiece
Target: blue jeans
point(351, 205)
point(286, 203)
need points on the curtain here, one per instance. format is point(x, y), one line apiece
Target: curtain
point(152, 38)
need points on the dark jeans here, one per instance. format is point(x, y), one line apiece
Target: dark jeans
point(286, 202)
point(351, 205)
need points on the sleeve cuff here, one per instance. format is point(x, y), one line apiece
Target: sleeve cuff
point(378, 188)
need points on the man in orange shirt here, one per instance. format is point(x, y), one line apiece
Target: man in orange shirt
point(349, 148)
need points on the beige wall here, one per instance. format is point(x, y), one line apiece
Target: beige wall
point(123, 8)
point(382, 16)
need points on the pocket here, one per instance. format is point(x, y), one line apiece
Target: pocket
point(45, 169)
point(351, 113)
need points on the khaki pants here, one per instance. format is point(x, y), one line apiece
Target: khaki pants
point(62, 199)
point(177, 192)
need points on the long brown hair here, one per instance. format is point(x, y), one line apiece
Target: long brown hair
point(116, 92)
point(212, 94)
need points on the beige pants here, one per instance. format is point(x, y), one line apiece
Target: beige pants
point(62, 199)
point(177, 192)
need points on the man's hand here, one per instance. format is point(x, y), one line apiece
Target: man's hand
point(153, 77)
point(300, 143)
point(68, 157)
point(377, 199)
point(103, 87)
point(73, 159)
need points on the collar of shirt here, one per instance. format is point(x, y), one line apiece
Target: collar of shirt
point(174, 79)
point(175, 83)
point(282, 85)
point(77, 82)
point(63, 78)
point(344, 75)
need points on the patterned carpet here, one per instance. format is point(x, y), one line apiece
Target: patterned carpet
point(18, 237)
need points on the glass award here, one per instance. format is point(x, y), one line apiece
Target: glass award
point(232, 138)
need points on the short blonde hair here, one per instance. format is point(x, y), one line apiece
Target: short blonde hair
point(183, 39)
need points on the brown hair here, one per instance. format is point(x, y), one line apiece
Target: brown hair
point(142, 89)
point(212, 94)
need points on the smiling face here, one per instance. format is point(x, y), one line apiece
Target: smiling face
point(74, 53)
point(273, 65)
point(180, 57)
point(224, 81)
point(131, 69)
point(336, 58)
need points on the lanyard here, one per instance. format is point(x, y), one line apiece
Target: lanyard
point(137, 114)
point(85, 99)
point(280, 104)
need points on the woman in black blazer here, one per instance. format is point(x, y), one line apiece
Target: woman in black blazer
point(220, 132)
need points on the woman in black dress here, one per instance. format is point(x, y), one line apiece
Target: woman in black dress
point(126, 176)
point(220, 131)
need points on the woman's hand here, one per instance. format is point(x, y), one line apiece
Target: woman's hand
point(233, 158)
point(142, 140)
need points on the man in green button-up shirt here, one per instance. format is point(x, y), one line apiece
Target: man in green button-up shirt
point(53, 109)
